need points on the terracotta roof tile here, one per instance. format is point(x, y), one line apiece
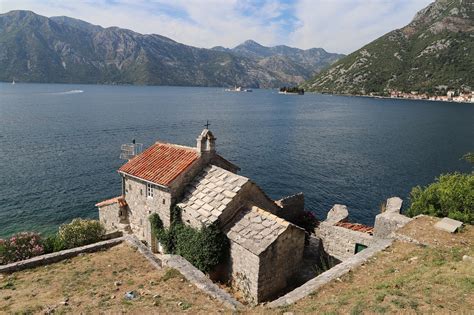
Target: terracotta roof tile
point(161, 163)
point(120, 200)
point(356, 227)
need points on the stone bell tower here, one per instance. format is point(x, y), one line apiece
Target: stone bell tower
point(206, 142)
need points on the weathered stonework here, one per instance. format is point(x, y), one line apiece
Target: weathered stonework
point(58, 256)
point(265, 250)
point(140, 207)
point(291, 207)
point(339, 241)
point(279, 262)
point(390, 220)
point(330, 275)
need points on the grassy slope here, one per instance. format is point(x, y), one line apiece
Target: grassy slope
point(405, 278)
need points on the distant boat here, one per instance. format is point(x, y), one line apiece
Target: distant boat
point(13, 82)
point(291, 91)
point(238, 89)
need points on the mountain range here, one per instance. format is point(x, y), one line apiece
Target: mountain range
point(436, 49)
point(34, 48)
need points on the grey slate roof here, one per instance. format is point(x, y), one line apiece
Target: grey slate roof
point(208, 195)
point(255, 229)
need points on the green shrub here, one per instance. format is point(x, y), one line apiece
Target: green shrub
point(451, 195)
point(205, 248)
point(20, 246)
point(81, 232)
point(53, 243)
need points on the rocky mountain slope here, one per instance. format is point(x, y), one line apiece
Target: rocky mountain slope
point(435, 49)
point(35, 48)
point(293, 63)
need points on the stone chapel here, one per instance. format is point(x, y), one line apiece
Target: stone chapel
point(265, 249)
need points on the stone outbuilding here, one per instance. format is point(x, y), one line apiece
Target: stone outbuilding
point(265, 249)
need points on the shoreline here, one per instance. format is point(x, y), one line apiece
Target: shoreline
point(390, 98)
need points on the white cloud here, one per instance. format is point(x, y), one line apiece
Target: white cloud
point(344, 26)
point(336, 25)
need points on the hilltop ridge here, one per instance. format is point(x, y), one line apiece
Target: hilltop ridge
point(434, 49)
point(34, 48)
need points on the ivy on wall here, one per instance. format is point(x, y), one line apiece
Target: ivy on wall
point(205, 248)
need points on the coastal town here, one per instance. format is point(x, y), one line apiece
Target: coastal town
point(463, 96)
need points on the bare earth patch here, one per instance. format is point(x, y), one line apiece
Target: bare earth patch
point(98, 282)
point(423, 230)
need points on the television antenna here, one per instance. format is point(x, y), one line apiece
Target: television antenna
point(130, 150)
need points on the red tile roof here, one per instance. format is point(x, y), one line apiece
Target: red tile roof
point(120, 200)
point(161, 163)
point(356, 227)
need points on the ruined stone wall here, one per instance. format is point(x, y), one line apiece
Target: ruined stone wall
point(279, 262)
point(390, 220)
point(254, 196)
point(340, 242)
point(109, 216)
point(243, 272)
point(140, 207)
point(292, 207)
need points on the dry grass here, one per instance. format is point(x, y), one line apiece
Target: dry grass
point(405, 278)
point(88, 284)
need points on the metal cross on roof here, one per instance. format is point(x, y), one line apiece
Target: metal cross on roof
point(207, 124)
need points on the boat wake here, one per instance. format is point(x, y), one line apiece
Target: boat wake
point(68, 92)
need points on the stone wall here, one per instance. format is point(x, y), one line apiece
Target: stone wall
point(390, 220)
point(243, 272)
point(112, 216)
point(330, 275)
point(254, 196)
point(140, 207)
point(279, 262)
point(179, 183)
point(58, 256)
point(292, 207)
point(340, 242)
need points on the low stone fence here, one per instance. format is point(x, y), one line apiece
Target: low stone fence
point(58, 256)
point(145, 251)
point(333, 273)
point(200, 280)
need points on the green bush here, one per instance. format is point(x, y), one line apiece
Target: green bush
point(53, 243)
point(81, 232)
point(205, 248)
point(451, 195)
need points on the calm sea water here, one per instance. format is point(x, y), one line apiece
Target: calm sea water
point(59, 148)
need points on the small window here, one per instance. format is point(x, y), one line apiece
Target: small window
point(141, 192)
point(149, 190)
point(130, 187)
point(359, 248)
point(164, 201)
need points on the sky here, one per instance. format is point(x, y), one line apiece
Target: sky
point(341, 26)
